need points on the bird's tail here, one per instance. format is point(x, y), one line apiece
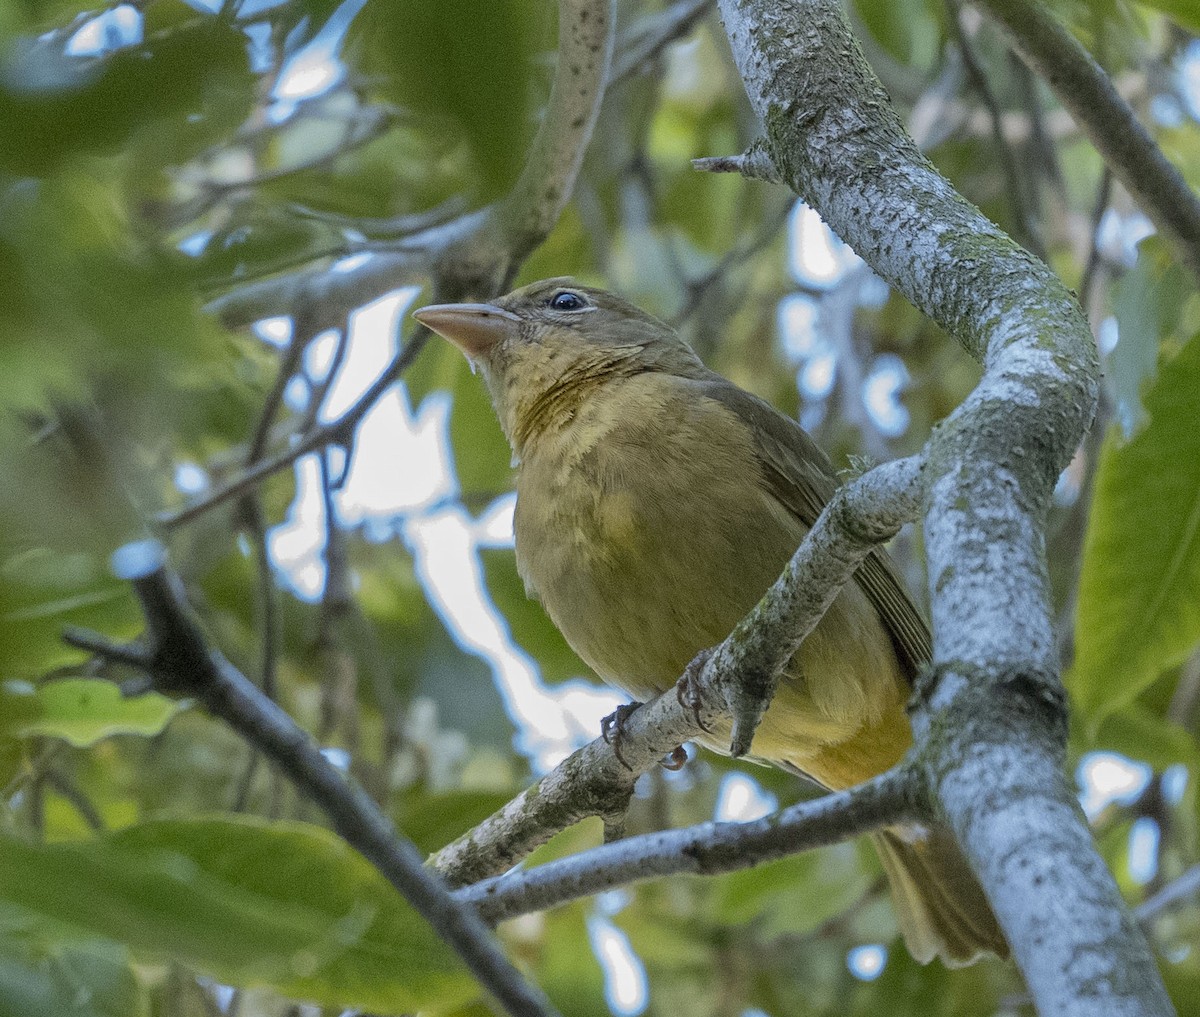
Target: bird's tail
point(939, 903)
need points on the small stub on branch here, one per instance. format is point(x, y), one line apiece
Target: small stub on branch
point(754, 163)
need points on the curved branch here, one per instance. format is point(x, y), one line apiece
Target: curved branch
point(990, 719)
point(1088, 93)
point(704, 849)
point(596, 782)
point(585, 50)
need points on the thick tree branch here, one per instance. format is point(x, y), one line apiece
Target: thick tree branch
point(176, 656)
point(990, 721)
point(1083, 88)
point(736, 680)
point(704, 849)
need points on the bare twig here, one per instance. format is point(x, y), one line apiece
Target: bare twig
point(705, 849)
point(340, 431)
point(1174, 893)
point(477, 253)
point(66, 787)
point(755, 164)
point(176, 655)
point(650, 35)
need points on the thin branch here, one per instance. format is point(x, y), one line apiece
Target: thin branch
point(528, 213)
point(479, 252)
point(1092, 265)
point(735, 682)
point(650, 35)
point(176, 656)
point(704, 849)
point(1173, 894)
point(339, 431)
point(1083, 88)
point(66, 787)
point(1008, 160)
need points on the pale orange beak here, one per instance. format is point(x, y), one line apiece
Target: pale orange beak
point(473, 328)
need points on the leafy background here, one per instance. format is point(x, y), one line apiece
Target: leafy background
point(158, 155)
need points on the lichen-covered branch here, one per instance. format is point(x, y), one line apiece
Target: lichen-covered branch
point(990, 719)
point(705, 849)
point(1083, 88)
point(595, 782)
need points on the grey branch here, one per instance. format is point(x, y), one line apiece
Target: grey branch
point(989, 720)
point(1083, 88)
point(176, 656)
point(705, 849)
point(1172, 895)
point(595, 782)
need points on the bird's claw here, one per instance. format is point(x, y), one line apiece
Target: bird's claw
point(687, 689)
point(676, 759)
point(612, 729)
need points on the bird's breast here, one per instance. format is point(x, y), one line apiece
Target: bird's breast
point(644, 530)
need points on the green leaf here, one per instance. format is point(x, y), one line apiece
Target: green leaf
point(797, 894)
point(464, 62)
point(1139, 733)
point(93, 981)
point(1139, 588)
point(1147, 303)
point(287, 906)
point(82, 711)
point(54, 106)
point(1185, 12)
point(432, 821)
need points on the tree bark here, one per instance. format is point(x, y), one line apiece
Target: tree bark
point(990, 717)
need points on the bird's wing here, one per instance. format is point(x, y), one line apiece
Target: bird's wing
point(799, 475)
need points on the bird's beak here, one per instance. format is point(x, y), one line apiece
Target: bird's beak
point(473, 328)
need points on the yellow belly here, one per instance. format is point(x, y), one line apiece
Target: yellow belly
point(643, 554)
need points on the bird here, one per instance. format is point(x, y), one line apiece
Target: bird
point(656, 503)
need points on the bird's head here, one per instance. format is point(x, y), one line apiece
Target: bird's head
point(550, 345)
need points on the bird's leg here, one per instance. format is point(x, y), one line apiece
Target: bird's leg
point(612, 729)
point(687, 689)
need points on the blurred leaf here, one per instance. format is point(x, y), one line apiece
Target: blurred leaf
point(284, 905)
point(92, 981)
point(531, 627)
point(431, 821)
point(796, 894)
point(1139, 734)
point(567, 968)
point(904, 27)
point(82, 711)
point(1146, 302)
point(41, 592)
point(54, 106)
point(1185, 12)
point(466, 63)
point(1139, 589)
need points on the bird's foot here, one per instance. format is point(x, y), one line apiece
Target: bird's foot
point(612, 729)
point(676, 759)
point(687, 689)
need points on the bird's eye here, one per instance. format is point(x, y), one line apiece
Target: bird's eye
point(565, 300)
